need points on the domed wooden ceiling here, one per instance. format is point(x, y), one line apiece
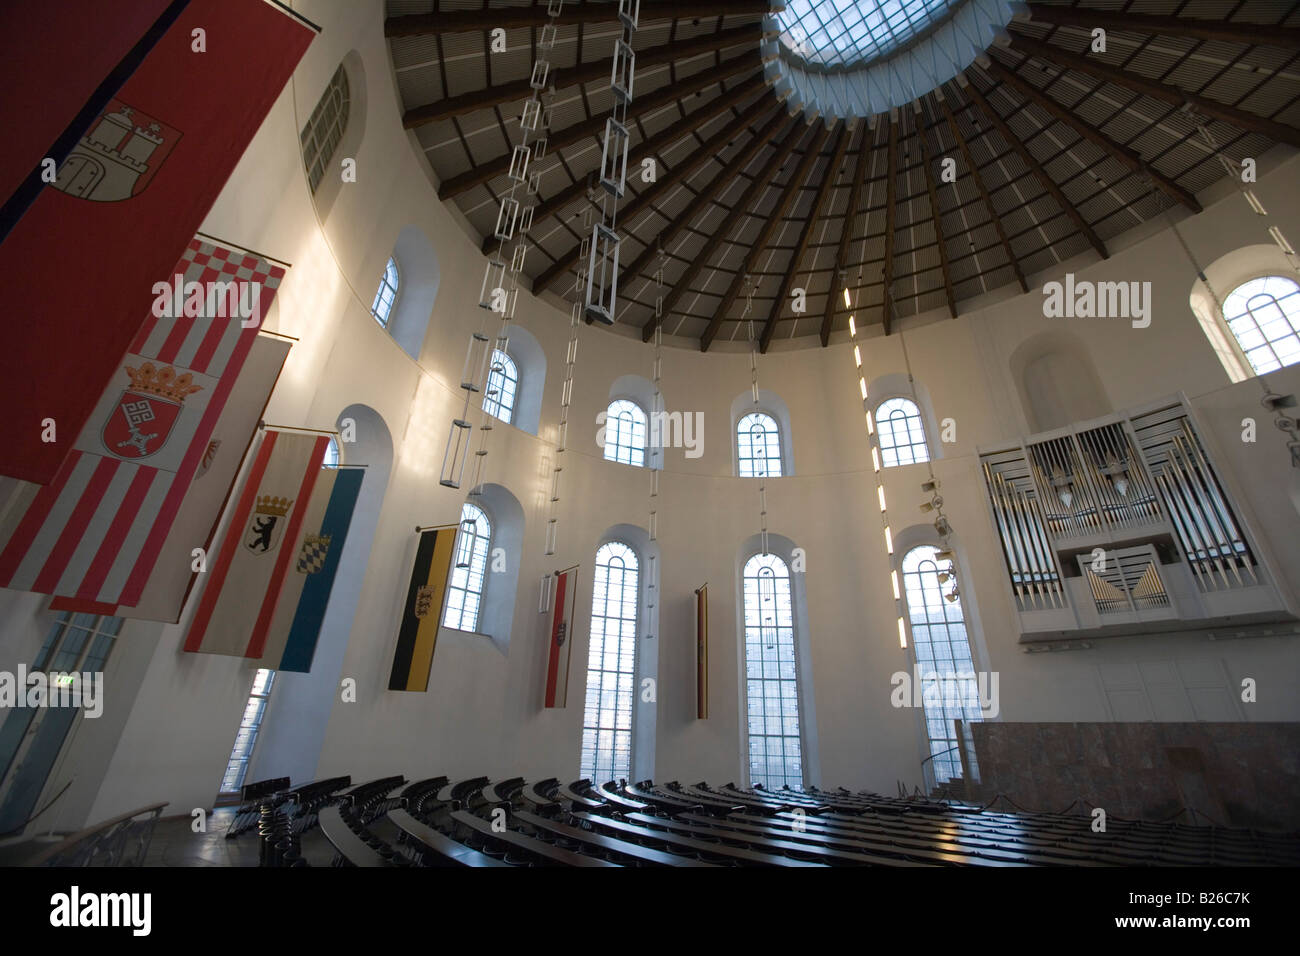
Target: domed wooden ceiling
point(1058, 150)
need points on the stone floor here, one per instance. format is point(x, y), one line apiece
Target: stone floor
point(174, 843)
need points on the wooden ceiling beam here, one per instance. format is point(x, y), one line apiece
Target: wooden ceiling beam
point(770, 222)
point(564, 138)
point(819, 203)
point(1121, 154)
point(451, 106)
point(780, 123)
point(1250, 33)
point(510, 18)
point(666, 137)
point(927, 161)
point(976, 97)
point(984, 193)
point(1250, 122)
point(712, 146)
point(887, 270)
point(846, 230)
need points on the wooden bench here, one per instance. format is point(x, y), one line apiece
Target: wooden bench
point(546, 851)
point(439, 845)
point(349, 846)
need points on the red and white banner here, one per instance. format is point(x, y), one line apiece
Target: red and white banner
point(561, 637)
point(244, 583)
point(78, 268)
point(164, 595)
point(96, 532)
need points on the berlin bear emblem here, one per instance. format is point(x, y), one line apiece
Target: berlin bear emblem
point(263, 533)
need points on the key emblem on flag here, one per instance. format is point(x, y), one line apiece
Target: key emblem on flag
point(312, 557)
point(423, 600)
point(213, 447)
point(146, 412)
point(118, 157)
point(264, 529)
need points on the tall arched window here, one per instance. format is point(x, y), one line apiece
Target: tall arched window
point(625, 432)
point(386, 294)
point(465, 588)
point(758, 446)
point(611, 665)
point(771, 675)
point(943, 654)
point(1264, 316)
point(902, 436)
point(502, 385)
point(324, 131)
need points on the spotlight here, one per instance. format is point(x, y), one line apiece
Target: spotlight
point(929, 487)
point(951, 597)
point(1272, 401)
point(944, 577)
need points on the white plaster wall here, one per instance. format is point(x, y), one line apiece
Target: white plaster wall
point(482, 712)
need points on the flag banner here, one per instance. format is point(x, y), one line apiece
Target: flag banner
point(291, 641)
point(96, 532)
point(244, 583)
point(702, 653)
point(560, 646)
point(69, 49)
point(168, 586)
point(422, 613)
point(126, 200)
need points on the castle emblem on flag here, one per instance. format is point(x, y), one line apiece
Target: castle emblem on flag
point(264, 529)
point(118, 157)
point(145, 414)
point(423, 601)
point(314, 549)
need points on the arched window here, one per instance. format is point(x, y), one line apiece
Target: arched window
point(324, 131)
point(771, 675)
point(502, 385)
point(625, 432)
point(465, 588)
point(1264, 316)
point(943, 654)
point(611, 665)
point(758, 446)
point(386, 294)
point(333, 456)
point(902, 436)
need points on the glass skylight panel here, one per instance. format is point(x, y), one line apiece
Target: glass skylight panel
point(840, 33)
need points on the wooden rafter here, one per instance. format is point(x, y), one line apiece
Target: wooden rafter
point(1122, 154)
point(887, 269)
point(846, 229)
point(712, 146)
point(760, 181)
point(1251, 33)
point(1279, 132)
point(823, 192)
point(646, 148)
point(1049, 184)
point(984, 193)
point(940, 239)
point(770, 222)
point(581, 73)
point(463, 21)
point(644, 105)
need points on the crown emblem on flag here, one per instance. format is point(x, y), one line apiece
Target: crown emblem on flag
point(163, 382)
point(272, 505)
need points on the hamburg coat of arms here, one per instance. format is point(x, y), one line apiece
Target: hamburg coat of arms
point(147, 411)
point(117, 157)
point(263, 534)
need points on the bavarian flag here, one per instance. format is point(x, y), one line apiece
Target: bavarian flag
point(290, 643)
point(422, 614)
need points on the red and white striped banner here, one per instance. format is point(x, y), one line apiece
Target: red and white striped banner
point(561, 637)
point(95, 533)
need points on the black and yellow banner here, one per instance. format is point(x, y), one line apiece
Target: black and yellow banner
point(422, 613)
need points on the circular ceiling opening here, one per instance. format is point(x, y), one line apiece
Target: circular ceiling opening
point(846, 33)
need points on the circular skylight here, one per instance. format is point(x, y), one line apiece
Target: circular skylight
point(840, 33)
